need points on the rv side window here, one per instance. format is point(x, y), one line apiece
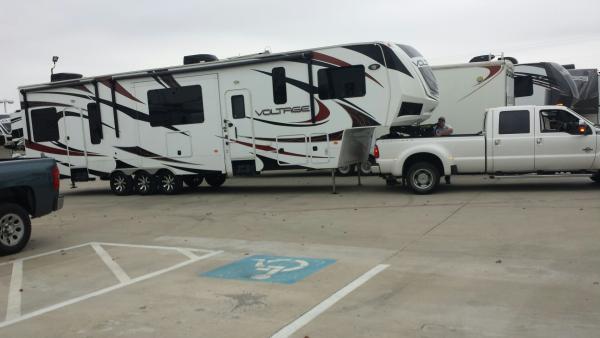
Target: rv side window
point(173, 106)
point(514, 122)
point(238, 109)
point(95, 123)
point(523, 86)
point(45, 124)
point(338, 83)
point(279, 89)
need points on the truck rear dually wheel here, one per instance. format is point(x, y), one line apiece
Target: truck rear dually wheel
point(423, 177)
point(15, 228)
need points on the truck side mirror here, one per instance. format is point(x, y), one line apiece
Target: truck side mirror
point(582, 128)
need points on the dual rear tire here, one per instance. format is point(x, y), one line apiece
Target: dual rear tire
point(423, 178)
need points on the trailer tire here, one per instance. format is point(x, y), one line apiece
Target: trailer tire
point(121, 184)
point(168, 183)
point(215, 180)
point(144, 183)
point(346, 170)
point(193, 181)
point(15, 228)
point(423, 178)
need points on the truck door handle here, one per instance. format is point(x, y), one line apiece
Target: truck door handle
point(496, 142)
point(538, 140)
point(587, 149)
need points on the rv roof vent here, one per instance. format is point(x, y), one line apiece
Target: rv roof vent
point(198, 58)
point(64, 76)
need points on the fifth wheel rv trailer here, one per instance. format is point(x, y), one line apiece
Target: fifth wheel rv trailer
point(212, 119)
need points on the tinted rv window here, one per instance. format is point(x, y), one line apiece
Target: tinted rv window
point(279, 89)
point(514, 122)
point(523, 86)
point(45, 124)
point(238, 110)
point(95, 123)
point(172, 106)
point(338, 83)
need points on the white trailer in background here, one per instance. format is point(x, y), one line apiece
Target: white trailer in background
point(468, 89)
point(211, 119)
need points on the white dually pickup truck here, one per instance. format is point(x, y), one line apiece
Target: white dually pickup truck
point(515, 140)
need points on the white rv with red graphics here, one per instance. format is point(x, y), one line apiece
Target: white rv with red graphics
point(209, 119)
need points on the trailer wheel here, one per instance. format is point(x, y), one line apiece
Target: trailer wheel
point(15, 228)
point(144, 183)
point(168, 183)
point(193, 181)
point(423, 178)
point(215, 180)
point(346, 170)
point(121, 184)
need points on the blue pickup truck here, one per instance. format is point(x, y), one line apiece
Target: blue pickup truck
point(28, 187)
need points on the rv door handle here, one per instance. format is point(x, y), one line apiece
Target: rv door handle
point(538, 140)
point(497, 142)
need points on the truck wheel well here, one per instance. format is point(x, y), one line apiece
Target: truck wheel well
point(423, 157)
point(22, 196)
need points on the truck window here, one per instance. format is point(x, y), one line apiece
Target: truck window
point(173, 106)
point(95, 123)
point(44, 122)
point(238, 109)
point(342, 82)
point(279, 88)
point(556, 120)
point(514, 122)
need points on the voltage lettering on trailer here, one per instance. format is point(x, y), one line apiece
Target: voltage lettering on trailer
point(282, 111)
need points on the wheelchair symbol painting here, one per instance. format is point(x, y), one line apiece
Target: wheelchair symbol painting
point(273, 269)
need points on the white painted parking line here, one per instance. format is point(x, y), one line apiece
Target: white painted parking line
point(45, 254)
point(327, 303)
point(13, 313)
point(111, 264)
point(187, 253)
point(13, 309)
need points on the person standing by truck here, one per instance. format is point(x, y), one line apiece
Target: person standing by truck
point(441, 128)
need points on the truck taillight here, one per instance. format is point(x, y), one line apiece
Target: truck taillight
point(55, 178)
point(376, 152)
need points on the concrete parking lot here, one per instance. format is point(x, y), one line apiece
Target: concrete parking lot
point(281, 256)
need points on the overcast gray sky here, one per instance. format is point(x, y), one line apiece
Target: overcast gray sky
point(100, 37)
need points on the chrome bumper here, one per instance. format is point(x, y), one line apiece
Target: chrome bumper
point(59, 202)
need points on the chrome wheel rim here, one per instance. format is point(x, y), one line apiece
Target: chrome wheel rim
point(422, 179)
point(12, 229)
point(143, 183)
point(120, 183)
point(168, 183)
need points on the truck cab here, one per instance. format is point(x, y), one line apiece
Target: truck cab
point(515, 140)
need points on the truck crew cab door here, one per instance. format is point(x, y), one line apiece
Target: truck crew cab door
point(559, 145)
point(512, 143)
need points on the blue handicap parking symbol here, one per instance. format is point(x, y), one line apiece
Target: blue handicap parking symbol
point(272, 269)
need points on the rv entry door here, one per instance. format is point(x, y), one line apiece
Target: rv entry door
point(73, 141)
point(238, 124)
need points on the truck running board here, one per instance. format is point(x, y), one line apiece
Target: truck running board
point(539, 176)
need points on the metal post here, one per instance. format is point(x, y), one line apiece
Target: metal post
point(333, 181)
point(358, 174)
